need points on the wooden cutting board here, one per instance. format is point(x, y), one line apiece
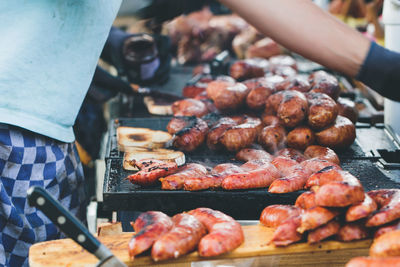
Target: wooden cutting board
point(329, 253)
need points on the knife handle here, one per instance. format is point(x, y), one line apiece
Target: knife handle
point(69, 224)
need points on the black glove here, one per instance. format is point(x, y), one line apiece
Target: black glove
point(381, 71)
point(113, 54)
point(163, 10)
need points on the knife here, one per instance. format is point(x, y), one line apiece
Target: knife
point(71, 226)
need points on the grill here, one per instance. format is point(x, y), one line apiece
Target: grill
point(360, 159)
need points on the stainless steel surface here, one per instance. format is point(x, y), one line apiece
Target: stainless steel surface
point(111, 262)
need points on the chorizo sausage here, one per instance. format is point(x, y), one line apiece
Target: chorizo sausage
point(272, 138)
point(224, 233)
point(191, 136)
point(389, 212)
point(306, 200)
point(270, 120)
point(293, 108)
point(386, 245)
point(149, 227)
point(338, 136)
point(247, 154)
point(242, 135)
point(352, 231)
point(338, 188)
point(181, 239)
point(324, 231)
point(189, 107)
point(300, 137)
point(248, 68)
point(373, 262)
point(315, 217)
point(260, 90)
point(322, 110)
point(362, 210)
point(215, 133)
point(175, 181)
point(274, 215)
point(287, 233)
point(321, 152)
point(292, 154)
point(284, 165)
point(347, 108)
point(150, 170)
point(260, 177)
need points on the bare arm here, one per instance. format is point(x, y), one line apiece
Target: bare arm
point(304, 28)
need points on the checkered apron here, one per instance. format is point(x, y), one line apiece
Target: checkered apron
point(28, 159)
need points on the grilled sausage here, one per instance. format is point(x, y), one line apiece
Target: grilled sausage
point(175, 181)
point(231, 97)
point(338, 136)
point(224, 233)
point(178, 123)
point(292, 154)
point(296, 83)
point(298, 177)
point(149, 227)
point(387, 228)
point(347, 108)
point(313, 180)
point(191, 136)
point(300, 137)
point(248, 68)
point(286, 233)
point(386, 245)
point(219, 84)
point(215, 133)
point(321, 152)
point(242, 135)
point(383, 196)
point(322, 110)
point(181, 239)
point(306, 200)
point(272, 138)
point(352, 231)
point(389, 211)
point(260, 177)
point(213, 180)
point(274, 215)
point(362, 210)
point(374, 262)
point(293, 108)
point(323, 232)
point(193, 90)
point(338, 188)
point(322, 82)
point(284, 165)
point(273, 102)
point(247, 154)
point(151, 170)
point(260, 90)
point(189, 107)
point(270, 120)
point(315, 217)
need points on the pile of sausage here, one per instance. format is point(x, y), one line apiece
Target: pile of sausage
point(337, 206)
point(283, 109)
point(209, 231)
point(286, 171)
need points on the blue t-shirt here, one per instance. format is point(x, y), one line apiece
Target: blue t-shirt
point(48, 54)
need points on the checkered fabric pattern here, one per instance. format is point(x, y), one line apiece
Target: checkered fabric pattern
point(28, 159)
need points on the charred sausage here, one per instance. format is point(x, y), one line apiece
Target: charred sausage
point(181, 239)
point(340, 135)
point(149, 227)
point(321, 152)
point(274, 215)
point(272, 138)
point(248, 68)
point(300, 137)
point(224, 233)
point(215, 133)
point(293, 108)
point(175, 181)
point(150, 170)
point(191, 136)
point(322, 110)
